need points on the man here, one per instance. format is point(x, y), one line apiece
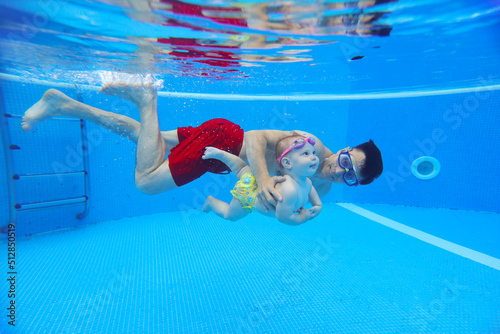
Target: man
point(155, 174)
point(366, 160)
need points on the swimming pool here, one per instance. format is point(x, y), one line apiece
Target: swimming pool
point(402, 255)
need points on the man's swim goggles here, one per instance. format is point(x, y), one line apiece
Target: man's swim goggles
point(345, 162)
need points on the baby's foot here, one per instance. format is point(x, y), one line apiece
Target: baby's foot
point(212, 153)
point(48, 106)
point(134, 88)
point(206, 207)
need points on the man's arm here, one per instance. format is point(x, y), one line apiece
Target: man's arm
point(257, 143)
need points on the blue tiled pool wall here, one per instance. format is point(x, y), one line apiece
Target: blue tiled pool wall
point(402, 128)
point(460, 131)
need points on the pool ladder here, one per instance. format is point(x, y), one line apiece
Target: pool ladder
point(12, 177)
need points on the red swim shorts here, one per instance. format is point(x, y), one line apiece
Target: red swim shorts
point(185, 160)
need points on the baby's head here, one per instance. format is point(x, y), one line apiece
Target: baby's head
point(296, 155)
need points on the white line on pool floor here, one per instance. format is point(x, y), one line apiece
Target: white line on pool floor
point(425, 237)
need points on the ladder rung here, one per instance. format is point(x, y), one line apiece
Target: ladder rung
point(20, 176)
point(48, 204)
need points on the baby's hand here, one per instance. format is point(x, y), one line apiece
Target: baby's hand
point(211, 153)
point(305, 214)
point(315, 210)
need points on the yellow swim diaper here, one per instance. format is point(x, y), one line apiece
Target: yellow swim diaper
point(245, 190)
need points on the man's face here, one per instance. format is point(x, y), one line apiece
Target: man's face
point(333, 172)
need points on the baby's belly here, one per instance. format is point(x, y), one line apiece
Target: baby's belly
point(262, 210)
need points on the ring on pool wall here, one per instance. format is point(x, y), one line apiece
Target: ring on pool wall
point(425, 168)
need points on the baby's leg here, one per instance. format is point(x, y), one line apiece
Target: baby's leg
point(233, 211)
point(235, 163)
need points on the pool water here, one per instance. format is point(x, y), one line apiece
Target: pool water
point(92, 254)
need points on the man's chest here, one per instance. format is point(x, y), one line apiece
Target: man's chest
point(322, 186)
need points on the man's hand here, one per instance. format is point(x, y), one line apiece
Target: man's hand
point(315, 210)
point(267, 195)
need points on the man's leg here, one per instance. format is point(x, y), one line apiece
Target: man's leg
point(233, 211)
point(152, 172)
point(55, 103)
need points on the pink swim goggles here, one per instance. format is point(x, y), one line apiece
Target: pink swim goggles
point(299, 143)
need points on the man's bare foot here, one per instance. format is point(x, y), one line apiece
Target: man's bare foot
point(48, 106)
point(134, 88)
point(212, 153)
point(206, 207)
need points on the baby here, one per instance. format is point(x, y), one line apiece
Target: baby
point(297, 158)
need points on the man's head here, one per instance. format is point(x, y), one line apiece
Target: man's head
point(366, 159)
point(296, 154)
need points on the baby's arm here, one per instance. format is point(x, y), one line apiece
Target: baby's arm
point(235, 163)
point(316, 203)
point(285, 210)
